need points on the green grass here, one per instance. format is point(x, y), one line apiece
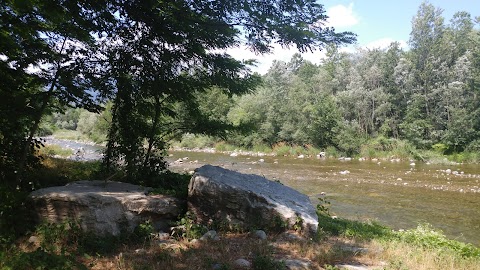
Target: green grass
point(55, 150)
point(66, 134)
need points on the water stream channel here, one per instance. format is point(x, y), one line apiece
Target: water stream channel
point(397, 194)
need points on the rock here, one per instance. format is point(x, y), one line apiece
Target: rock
point(356, 250)
point(295, 264)
point(247, 201)
point(260, 234)
point(217, 266)
point(105, 208)
point(290, 237)
point(210, 235)
point(352, 267)
point(242, 263)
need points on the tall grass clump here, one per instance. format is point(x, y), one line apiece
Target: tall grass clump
point(281, 149)
point(196, 141)
point(55, 150)
point(223, 146)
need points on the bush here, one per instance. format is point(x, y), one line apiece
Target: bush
point(196, 141)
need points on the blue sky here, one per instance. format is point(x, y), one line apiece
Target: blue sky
point(377, 23)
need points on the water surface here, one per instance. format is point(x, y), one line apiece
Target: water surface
point(398, 194)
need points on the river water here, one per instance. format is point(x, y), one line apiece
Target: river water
point(397, 194)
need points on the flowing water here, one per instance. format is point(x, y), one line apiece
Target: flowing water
point(398, 194)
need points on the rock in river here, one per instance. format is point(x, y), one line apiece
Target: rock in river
point(248, 201)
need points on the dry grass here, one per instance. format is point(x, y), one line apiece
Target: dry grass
point(400, 255)
point(174, 254)
point(185, 254)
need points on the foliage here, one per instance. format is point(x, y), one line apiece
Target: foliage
point(53, 150)
point(388, 99)
point(144, 230)
point(262, 262)
point(323, 206)
point(187, 228)
point(351, 229)
point(429, 238)
point(40, 260)
point(171, 183)
point(15, 218)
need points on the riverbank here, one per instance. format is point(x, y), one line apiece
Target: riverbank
point(381, 148)
point(340, 243)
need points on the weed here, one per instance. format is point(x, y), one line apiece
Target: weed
point(55, 150)
point(323, 207)
point(262, 262)
point(330, 267)
point(144, 230)
point(351, 229)
point(40, 260)
point(187, 228)
point(298, 225)
point(427, 237)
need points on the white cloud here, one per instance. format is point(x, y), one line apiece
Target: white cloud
point(264, 62)
point(342, 16)
point(383, 43)
point(339, 16)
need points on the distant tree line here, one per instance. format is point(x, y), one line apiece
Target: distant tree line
point(428, 95)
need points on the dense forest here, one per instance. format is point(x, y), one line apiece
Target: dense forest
point(426, 96)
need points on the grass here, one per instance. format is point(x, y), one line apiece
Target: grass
point(74, 135)
point(380, 148)
point(55, 150)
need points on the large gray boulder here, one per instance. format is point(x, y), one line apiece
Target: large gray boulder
point(248, 201)
point(105, 208)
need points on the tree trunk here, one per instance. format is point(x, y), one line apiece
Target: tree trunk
point(36, 123)
point(151, 139)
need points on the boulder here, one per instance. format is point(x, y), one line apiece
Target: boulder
point(105, 208)
point(245, 201)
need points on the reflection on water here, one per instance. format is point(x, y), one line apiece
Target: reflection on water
point(397, 194)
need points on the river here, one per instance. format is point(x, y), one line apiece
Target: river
point(400, 195)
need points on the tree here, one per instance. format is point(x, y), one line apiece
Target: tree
point(45, 42)
point(148, 56)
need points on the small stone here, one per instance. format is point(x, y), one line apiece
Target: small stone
point(242, 263)
point(140, 251)
point(294, 264)
point(217, 266)
point(260, 234)
point(210, 235)
point(351, 267)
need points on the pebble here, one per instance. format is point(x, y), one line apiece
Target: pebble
point(260, 234)
point(210, 235)
point(242, 263)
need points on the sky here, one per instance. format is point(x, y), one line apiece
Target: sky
point(377, 23)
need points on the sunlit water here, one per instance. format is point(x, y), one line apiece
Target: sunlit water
point(396, 194)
